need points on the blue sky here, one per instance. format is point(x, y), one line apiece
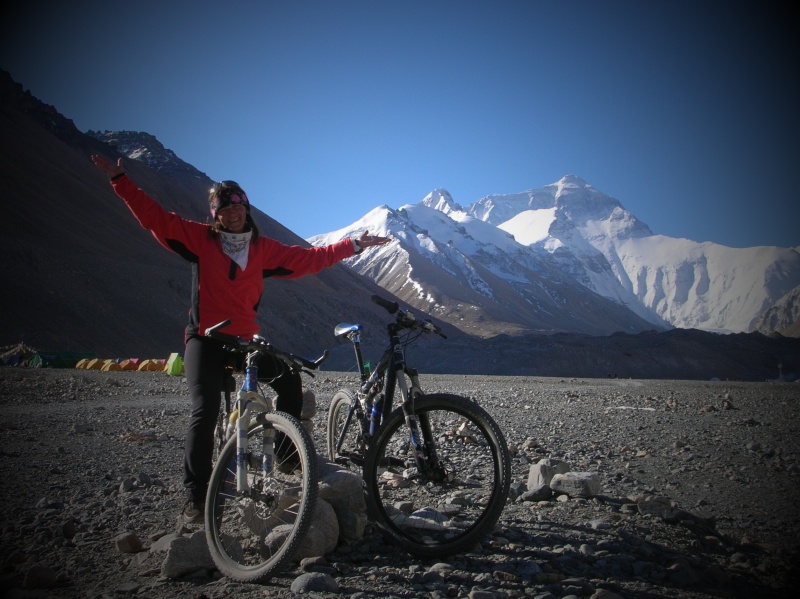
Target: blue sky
point(684, 111)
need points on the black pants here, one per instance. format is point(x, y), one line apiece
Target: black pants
point(204, 362)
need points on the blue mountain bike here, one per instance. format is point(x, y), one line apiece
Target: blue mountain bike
point(437, 468)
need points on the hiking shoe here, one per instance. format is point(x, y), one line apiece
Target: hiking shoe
point(193, 512)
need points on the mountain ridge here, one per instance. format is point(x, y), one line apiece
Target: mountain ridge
point(80, 274)
point(568, 233)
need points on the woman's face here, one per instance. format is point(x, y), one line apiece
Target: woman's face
point(233, 218)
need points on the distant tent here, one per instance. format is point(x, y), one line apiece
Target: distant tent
point(174, 365)
point(17, 354)
point(94, 364)
point(151, 365)
point(111, 366)
point(130, 364)
point(54, 359)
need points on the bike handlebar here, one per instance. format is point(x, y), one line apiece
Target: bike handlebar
point(407, 319)
point(259, 344)
point(391, 307)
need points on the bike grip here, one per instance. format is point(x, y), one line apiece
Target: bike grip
point(391, 307)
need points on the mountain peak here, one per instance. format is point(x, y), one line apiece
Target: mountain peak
point(571, 181)
point(146, 148)
point(441, 200)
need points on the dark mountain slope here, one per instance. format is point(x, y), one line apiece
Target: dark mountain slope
point(80, 274)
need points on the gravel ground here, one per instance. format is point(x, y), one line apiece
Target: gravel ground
point(87, 456)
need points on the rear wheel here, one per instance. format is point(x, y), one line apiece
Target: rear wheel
point(453, 505)
point(220, 435)
point(252, 535)
point(351, 453)
point(221, 428)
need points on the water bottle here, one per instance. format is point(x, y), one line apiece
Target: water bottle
point(375, 416)
point(251, 379)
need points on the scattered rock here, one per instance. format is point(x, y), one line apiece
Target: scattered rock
point(656, 499)
point(576, 484)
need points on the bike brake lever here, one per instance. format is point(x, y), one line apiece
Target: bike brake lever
point(432, 328)
point(215, 333)
point(321, 359)
point(221, 325)
point(306, 365)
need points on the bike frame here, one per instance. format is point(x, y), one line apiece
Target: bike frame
point(393, 364)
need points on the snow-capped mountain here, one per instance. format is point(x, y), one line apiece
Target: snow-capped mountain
point(784, 316)
point(565, 257)
point(477, 276)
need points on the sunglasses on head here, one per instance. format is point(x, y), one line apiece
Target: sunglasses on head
point(237, 199)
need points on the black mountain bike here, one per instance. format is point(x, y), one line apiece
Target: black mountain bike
point(436, 469)
point(263, 487)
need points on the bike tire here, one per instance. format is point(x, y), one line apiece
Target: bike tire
point(433, 519)
point(251, 538)
point(351, 453)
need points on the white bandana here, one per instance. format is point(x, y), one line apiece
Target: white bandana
point(236, 246)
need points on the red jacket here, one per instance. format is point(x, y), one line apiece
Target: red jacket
point(220, 288)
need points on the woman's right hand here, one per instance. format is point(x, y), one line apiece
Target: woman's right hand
point(107, 166)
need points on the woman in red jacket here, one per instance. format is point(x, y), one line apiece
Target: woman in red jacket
point(229, 263)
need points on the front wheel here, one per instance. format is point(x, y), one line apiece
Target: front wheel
point(254, 534)
point(449, 509)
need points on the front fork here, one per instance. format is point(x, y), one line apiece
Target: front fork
point(251, 403)
point(419, 425)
